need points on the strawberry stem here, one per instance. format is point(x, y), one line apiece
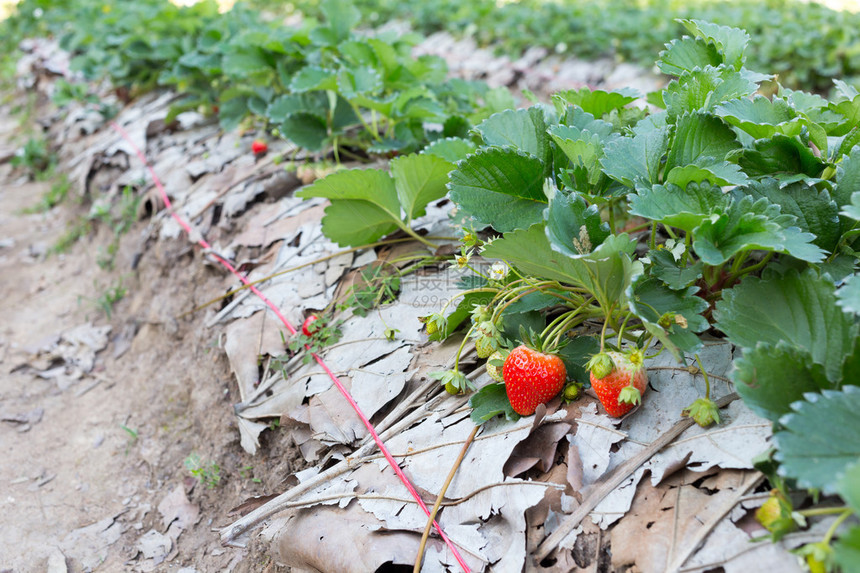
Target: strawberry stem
point(705, 376)
point(603, 330)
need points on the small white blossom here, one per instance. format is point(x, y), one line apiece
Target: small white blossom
point(498, 271)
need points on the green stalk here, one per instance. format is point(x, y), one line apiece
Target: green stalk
point(705, 376)
point(846, 513)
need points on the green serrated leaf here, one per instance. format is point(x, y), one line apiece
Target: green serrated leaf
point(500, 187)
point(813, 210)
point(848, 486)
point(666, 268)
point(605, 272)
point(312, 78)
point(703, 89)
point(341, 17)
point(522, 129)
point(748, 225)
point(232, 112)
point(489, 402)
point(760, 117)
point(700, 139)
point(245, 63)
point(846, 550)
point(361, 80)
point(685, 209)
point(799, 309)
point(848, 178)
point(686, 54)
point(582, 148)
point(780, 155)
point(576, 354)
point(731, 41)
point(649, 299)
point(307, 130)
point(819, 441)
point(419, 179)
point(596, 102)
point(451, 149)
point(572, 226)
point(636, 160)
point(848, 295)
point(771, 377)
point(719, 172)
point(575, 121)
point(364, 205)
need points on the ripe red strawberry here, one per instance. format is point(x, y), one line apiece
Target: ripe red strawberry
point(259, 147)
point(621, 389)
point(308, 328)
point(532, 378)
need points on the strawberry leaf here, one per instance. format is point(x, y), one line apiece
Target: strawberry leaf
point(799, 309)
point(650, 300)
point(576, 354)
point(731, 41)
point(700, 139)
point(819, 439)
point(703, 89)
point(814, 211)
point(605, 272)
point(667, 269)
point(760, 117)
point(748, 225)
point(686, 54)
point(573, 227)
point(595, 102)
point(522, 129)
point(364, 205)
point(771, 377)
point(849, 486)
point(489, 402)
point(846, 550)
point(848, 296)
point(451, 149)
point(306, 130)
point(780, 156)
point(683, 208)
point(419, 179)
point(500, 187)
point(636, 160)
point(848, 179)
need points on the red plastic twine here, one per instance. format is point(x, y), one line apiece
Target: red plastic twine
point(203, 243)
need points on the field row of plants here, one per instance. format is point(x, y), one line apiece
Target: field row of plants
point(806, 43)
point(318, 85)
point(725, 213)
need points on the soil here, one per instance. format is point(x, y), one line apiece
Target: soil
point(82, 482)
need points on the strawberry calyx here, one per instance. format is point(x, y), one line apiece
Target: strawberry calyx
point(630, 395)
point(703, 411)
point(540, 344)
point(601, 365)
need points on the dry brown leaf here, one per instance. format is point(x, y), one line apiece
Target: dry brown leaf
point(538, 449)
point(328, 538)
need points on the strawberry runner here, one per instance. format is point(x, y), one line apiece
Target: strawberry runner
point(292, 330)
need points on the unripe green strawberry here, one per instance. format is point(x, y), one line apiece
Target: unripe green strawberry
point(532, 378)
point(775, 515)
point(451, 388)
point(571, 392)
point(493, 370)
point(621, 389)
point(485, 346)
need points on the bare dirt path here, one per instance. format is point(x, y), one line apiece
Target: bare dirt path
point(93, 469)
